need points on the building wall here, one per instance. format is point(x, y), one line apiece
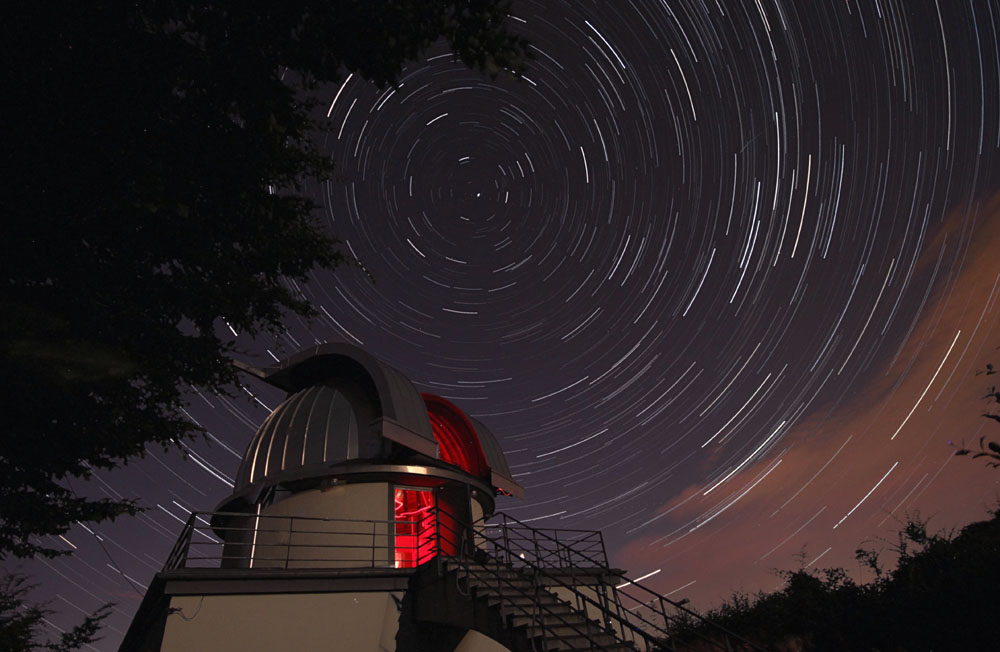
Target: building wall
point(347, 526)
point(476, 509)
point(359, 622)
point(473, 641)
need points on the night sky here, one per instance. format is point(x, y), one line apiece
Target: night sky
point(719, 275)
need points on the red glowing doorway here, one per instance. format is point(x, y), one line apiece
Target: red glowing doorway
point(416, 527)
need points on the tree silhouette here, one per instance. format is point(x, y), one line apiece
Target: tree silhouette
point(158, 157)
point(941, 595)
point(158, 154)
point(21, 623)
point(987, 449)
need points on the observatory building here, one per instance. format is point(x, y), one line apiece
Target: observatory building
point(363, 519)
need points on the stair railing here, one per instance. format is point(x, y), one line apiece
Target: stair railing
point(178, 554)
point(467, 560)
point(588, 545)
point(649, 598)
point(625, 632)
point(628, 619)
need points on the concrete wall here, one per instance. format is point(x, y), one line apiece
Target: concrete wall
point(361, 535)
point(359, 622)
point(476, 512)
point(473, 641)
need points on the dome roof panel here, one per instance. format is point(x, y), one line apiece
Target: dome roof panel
point(501, 476)
point(491, 449)
point(398, 399)
point(317, 425)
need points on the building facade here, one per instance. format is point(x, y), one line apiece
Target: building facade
point(363, 519)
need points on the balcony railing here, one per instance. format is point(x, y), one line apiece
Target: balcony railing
point(548, 547)
point(553, 559)
point(287, 542)
point(241, 540)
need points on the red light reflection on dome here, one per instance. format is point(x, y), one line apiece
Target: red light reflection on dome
point(458, 442)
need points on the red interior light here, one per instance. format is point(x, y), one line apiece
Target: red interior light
point(415, 527)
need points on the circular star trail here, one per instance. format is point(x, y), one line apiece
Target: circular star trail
point(718, 274)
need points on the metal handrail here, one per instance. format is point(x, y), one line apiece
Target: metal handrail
point(650, 641)
point(536, 604)
point(662, 601)
point(594, 539)
point(180, 550)
point(474, 568)
point(352, 535)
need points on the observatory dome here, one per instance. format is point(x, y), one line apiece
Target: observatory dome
point(345, 407)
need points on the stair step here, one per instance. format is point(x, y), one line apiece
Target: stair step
point(487, 571)
point(522, 608)
point(513, 592)
point(545, 600)
point(556, 629)
point(553, 626)
point(518, 618)
point(562, 646)
point(487, 580)
point(489, 576)
point(488, 564)
point(520, 615)
point(580, 643)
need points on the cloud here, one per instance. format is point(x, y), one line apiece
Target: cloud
point(878, 453)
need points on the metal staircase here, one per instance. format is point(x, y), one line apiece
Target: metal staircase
point(557, 591)
point(543, 619)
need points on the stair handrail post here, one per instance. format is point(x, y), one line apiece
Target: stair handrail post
point(605, 581)
point(622, 619)
point(373, 545)
point(188, 536)
point(288, 544)
point(499, 584)
point(536, 606)
point(462, 545)
point(506, 542)
point(178, 556)
point(604, 550)
point(666, 624)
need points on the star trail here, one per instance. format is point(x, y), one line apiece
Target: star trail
point(718, 274)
